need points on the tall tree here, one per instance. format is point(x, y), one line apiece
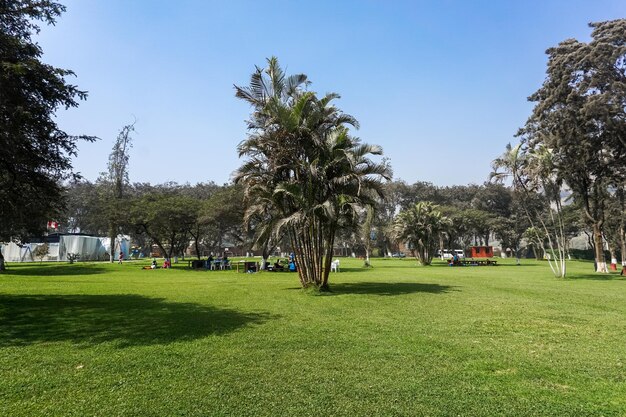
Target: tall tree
point(303, 163)
point(35, 154)
point(580, 118)
point(117, 179)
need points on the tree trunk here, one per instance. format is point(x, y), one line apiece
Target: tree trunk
point(622, 237)
point(328, 259)
point(599, 249)
point(613, 256)
point(197, 246)
point(112, 235)
point(621, 194)
point(266, 251)
point(2, 265)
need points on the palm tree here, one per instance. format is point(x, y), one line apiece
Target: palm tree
point(304, 167)
point(509, 165)
point(420, 227)
point(532, 171)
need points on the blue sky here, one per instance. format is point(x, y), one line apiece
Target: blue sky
point(441, 85)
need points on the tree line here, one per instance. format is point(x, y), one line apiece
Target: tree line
point(203, 217)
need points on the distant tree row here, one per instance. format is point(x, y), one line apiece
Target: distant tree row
point(170, 216)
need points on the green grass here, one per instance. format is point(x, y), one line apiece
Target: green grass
point(398, 339)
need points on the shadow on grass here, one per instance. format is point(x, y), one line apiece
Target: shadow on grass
point(388, 288)
point(127, 320)
point(46, 270)
point(382, 267)
point(384, 288)
point(597, 277)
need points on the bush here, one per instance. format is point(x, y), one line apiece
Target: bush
point(41, 252)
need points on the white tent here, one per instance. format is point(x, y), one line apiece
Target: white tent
point(88, 248)
point(122, 243)
point(13, 252)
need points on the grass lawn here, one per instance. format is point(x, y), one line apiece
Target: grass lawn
point(98, 339)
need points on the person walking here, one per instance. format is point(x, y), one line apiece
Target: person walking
point(121, 257)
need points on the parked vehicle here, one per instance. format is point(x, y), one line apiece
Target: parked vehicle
point(449, 253)
point(398, 255)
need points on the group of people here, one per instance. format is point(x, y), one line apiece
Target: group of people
point(455, 260)
point(279, 264)
point(221, 260)
point(167, 264)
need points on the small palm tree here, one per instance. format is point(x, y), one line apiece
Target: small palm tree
point(420, 227)
point(509, 165)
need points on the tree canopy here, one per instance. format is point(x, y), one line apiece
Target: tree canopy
point(577, 128)
point(35, 154)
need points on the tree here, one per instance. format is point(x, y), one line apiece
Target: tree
point(397, 196)
point(366, 234)
point(35, 154)
point(420, 227)
point(533, 173)
point(261, 222)
point(304, 165)
point(85, 210)
point(117, 180)
point(41, 252)
point(510, 229)
point(614, 231)
point(221, 218)
point(477, 225)
point(580, 119)
point(165, 218)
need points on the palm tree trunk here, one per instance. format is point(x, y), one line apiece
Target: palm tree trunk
point(329, 258)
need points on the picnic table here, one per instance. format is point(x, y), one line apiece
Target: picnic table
point(195, 263)
point(247, 266)
point(476, 262)
point(214, 265)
